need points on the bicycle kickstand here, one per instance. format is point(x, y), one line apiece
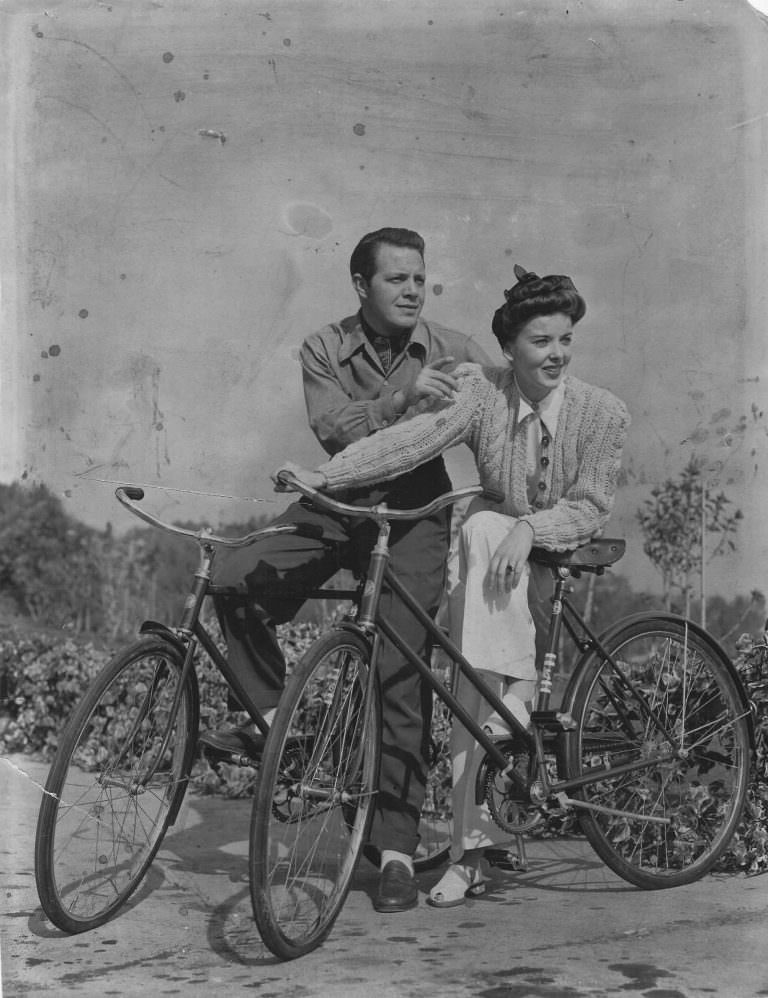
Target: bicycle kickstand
point(509, 859)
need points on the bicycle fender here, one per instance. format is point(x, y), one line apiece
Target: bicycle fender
point(353, 628)
point(648, 615)
point(163, 631)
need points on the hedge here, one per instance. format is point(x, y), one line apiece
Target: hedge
point(43, 675)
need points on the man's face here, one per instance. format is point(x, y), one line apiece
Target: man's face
point(392, 300)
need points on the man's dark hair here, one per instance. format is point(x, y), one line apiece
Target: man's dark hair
point(363, 259)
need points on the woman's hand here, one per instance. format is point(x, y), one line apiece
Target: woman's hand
point(314, 479)
point(510, 558)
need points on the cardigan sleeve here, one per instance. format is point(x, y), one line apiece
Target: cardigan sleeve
point(411, 442)
point(585, 507)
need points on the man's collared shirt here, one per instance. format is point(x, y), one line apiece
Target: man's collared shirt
point(348, 393)
point(388, 348)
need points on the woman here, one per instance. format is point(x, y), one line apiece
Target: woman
point(551, 444)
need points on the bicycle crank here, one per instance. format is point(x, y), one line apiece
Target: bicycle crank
point(511, 809)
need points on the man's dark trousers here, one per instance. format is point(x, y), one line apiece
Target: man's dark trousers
point(418, 551)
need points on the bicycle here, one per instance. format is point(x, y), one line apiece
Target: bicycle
point(650, 747)
point(124, 759)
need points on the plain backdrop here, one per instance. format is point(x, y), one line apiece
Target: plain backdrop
point(182, 186)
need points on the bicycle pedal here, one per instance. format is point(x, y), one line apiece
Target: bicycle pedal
point(217, 756)
point(245, 760)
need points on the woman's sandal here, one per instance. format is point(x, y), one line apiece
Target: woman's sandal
point(456, 885)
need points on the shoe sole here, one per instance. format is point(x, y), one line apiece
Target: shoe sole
point(475, 891)
point(393, 909)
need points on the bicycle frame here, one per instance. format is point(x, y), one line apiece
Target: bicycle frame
point(190, 631)
point(370, 621)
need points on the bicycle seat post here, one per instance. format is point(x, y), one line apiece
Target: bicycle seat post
point(197, 594)
point(553, 638)
point(375, 575)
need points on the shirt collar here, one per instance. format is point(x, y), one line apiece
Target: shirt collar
point(548, 409)
point(355, 338)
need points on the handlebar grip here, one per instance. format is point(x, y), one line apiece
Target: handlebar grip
point(286, 477)
point(493, 495)
point(133, 492)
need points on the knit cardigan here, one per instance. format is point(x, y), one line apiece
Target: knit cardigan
point(585, 456)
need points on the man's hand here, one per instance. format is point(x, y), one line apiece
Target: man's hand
point(314, 479)
point(510, 557)
point(432, 382)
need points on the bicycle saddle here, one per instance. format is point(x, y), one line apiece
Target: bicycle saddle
point(595, 554)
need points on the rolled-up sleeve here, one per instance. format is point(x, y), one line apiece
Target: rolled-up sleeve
point(336, 419)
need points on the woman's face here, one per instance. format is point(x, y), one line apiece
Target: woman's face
point(540, 354)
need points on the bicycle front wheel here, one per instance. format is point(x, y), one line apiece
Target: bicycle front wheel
point(678, 706)
point(316, 795)
point(115, 785)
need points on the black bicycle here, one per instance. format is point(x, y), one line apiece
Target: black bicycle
point(125, 757)
point(650, 747)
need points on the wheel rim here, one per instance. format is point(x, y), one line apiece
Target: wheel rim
point(314, 805)
point(123, 774)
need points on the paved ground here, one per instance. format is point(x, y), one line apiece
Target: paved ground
point(565, 928)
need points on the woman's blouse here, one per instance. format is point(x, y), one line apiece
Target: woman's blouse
point(578, 485)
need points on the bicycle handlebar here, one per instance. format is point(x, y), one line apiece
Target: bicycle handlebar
point(128, 495)
point(382, 511)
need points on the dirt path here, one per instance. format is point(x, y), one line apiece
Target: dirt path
point(565, 928)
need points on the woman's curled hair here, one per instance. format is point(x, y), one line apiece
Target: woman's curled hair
point(533, 296)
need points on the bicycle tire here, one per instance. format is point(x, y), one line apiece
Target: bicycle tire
point(316, 795)
point(696, 700)
point(114, 786)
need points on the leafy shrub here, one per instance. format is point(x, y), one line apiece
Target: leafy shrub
point(749, 848)
point(42, 677)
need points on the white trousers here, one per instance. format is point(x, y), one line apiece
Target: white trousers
point(496, 633)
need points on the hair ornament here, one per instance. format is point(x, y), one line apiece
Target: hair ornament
point(523, 277)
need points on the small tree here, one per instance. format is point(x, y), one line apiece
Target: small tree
point(675, 522)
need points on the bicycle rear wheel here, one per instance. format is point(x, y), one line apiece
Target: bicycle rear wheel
point(316, 795)
point(681, 709)
point(116, 783)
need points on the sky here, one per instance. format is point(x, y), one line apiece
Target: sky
point(183, 186)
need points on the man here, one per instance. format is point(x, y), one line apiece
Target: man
point(361, 374)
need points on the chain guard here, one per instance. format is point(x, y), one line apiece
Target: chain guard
point(510, 808)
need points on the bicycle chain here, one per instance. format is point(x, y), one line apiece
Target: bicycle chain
point(509, 807)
